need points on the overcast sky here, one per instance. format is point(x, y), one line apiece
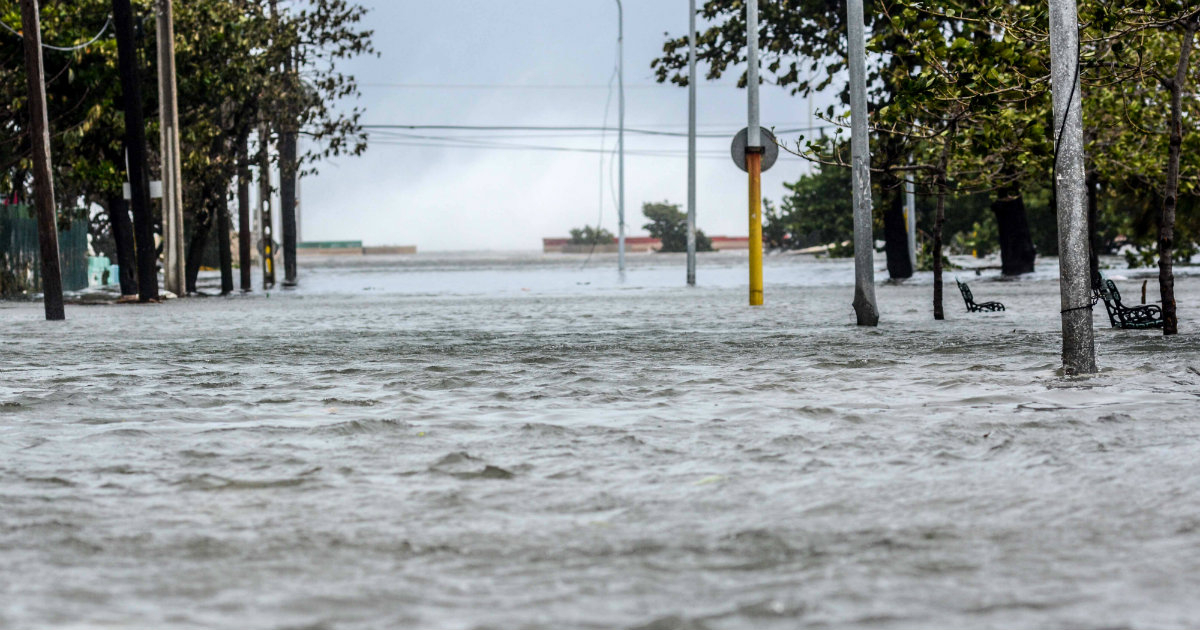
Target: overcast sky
point(435, 57)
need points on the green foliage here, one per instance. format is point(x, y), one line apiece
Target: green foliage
point(669, 224)
point(588, 235)
point(818, 209)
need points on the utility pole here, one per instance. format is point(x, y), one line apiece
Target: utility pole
point(1079, 350)
point(243, 200)
point(264, 205)
point(287, 175)
point(860, 155)
point(135, 152)
point(754, 155)
point(174, 275)
point(621, 139)
point(691, 193)
point(43, 181)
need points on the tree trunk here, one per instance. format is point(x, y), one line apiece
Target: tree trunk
point(1017, 253)
point(938, 219)
point(895, 230)
point(223, 242)
point(1092, 181)
point(1166, 223)
point(197, 242)
point(122, 230)
point(243, 199)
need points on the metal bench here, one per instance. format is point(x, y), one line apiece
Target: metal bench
point(972, 307)
point(1121, 316)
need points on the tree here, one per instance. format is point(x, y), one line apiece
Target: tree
point(587, 235)
point(669, 224)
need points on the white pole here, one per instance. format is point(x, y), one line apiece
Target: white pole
point(621, 140)
point(1079, 350)
point(753, 133)
point(860, 155)
point(691, 212)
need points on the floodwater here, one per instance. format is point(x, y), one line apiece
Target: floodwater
point(497, 441)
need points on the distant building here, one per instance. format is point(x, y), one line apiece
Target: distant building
point(350, 248)
point(634, 244)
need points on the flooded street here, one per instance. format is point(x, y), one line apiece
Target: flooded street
point(495, 441)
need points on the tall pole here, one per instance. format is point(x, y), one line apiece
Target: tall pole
point(172, 178)
point(860, 155)
point(1079, 350)
point(754, 151)
point(43, 181)
point(621, 139)
point(691, 192)
point(135, 152)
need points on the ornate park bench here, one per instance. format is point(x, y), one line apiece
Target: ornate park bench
point(972, 307)
point(1121, 316)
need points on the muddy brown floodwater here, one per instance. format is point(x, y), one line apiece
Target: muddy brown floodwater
point(511, 442)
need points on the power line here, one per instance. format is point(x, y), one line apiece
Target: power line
point(646, 132)
point(65, 48)
point(526, 86)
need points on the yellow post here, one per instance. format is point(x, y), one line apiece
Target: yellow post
point(754, 167)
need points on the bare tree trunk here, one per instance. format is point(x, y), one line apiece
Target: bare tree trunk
point(1092, 181)
point(243, 198)
point(122, 230)
point(225, 246)
point(938, 219)
point(1166, 223)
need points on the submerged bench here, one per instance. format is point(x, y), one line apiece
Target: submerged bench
point(1121, 316)
point(972, 307)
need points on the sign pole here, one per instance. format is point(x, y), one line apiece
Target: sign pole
point(754, 150)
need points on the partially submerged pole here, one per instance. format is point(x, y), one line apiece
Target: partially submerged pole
point(43, 181)
point(264, 205)
point(1079, 351)
point(135, 152)
point(754, 153)
point(621, 139)
point(691, 192)
point(860, 156)
point(172, 195)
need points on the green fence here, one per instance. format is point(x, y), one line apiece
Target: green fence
point(20, 254)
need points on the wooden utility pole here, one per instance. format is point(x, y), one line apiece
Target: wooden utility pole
point(43, 182)
point(172, 178)
point(1075, 285)
point(135, 152)
point(243, 199)
point(860, 156)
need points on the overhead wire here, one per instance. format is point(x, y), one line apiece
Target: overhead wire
point(103, 29)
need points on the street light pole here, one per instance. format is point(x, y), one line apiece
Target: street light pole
point(621, 139)
point(691, 192)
